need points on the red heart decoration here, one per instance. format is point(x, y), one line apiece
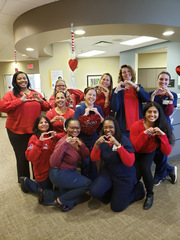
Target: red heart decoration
point(178, 70)
point(90, 123)
point(73, 64)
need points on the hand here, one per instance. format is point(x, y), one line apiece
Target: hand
point(87, 111)
point(25, 98)
point(158, 132)
point(149, 131)
point(129, 84)
point(120, 86)
point(113, 140)
point(37, 97)
point(74, 142)
point(47, 135)
point(100, 140)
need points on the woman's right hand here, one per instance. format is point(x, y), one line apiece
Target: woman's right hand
point(24, 98)
point(58, 118)
point(100, 140)
point(120, 87)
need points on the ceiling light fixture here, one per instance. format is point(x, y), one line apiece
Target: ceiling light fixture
point(24, 55)
point(168, 33)
point(79, 32)
point(29, 49)
point(91, 53)
point(138, 40)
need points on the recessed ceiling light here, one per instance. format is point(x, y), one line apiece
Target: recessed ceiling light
point(138, 40)
point(168, 33)
point(24, 55)
point(79, 32)
point(29, 49)
point(91, 53)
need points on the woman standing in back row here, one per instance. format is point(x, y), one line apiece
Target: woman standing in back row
point(22, 105)
point(168, 101)
point(127, 99)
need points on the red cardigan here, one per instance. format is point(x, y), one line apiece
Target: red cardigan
point(38, 152)
point(144, 143)
point(21, 115)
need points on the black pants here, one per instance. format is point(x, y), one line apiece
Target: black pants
point(19, 143)
point(143, 164)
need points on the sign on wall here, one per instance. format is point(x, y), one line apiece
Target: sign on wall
point(53, 76)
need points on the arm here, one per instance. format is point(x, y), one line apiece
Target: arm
point(52, 101)
point(142, 94)
point(166, 148)
point(116, 102)
point(83, 151)
point(34, 149)
point(8, 103)
point(126, 157)
point(95, 154)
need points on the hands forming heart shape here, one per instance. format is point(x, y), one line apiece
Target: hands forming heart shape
point(47, 135)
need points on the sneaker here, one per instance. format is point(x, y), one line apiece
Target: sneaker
point(157, 181)
point(22, 182)
point(173, 175)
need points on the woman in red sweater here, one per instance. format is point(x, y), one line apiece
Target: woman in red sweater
point(68, 151)
point(22, 105)
point(146, 136)
point(74, 96)
point(39, 150)
point(104, 90)
point(60, 113)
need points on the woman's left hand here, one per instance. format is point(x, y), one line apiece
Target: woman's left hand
point(37, 97)
point(113, 140)
point(157, 131)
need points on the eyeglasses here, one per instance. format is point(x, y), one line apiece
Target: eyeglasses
point(111, 127)
point(73, 128)
point(60, 85)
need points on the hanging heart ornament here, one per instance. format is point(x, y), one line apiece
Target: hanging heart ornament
point(178, 70)
point(73, 64)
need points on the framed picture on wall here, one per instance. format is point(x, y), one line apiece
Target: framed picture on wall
point(92, 80)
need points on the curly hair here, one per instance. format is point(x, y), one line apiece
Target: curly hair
point(131, 70)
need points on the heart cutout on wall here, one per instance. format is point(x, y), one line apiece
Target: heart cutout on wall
point(178, 70)
point(73, 64)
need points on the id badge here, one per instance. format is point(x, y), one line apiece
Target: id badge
point(165, 102)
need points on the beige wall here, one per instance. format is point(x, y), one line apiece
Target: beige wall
point(96, 66)
point(152, 60)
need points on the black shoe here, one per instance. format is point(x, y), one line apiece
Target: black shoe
point(40, 195)
point(22, 182)
point(157, 181)
point(173, 175)
point(148, 202)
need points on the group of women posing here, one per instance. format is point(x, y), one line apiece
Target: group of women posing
point(114, 152)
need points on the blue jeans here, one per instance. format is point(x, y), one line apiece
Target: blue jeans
point(71, 186)
point(163, 169)
point(33, 186)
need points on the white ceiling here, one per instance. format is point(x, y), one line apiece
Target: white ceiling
point(11, 9)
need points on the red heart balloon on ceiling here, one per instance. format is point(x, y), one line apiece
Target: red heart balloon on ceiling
point(73, 64)
point(178, 70)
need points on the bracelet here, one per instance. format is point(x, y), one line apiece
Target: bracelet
point(171, 99)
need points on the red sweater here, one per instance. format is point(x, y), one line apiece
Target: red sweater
point(58, 126)
point(100, 101)
point(21, 115)
point(126, 157)
point(65, 156)
point(144, 143)
point(76, 95)
point(38, 152)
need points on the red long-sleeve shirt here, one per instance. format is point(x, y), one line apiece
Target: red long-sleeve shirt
point(38, 152)
point(21, 115)
point(144, 143)
point(65, 156)
point(58, 125)
point(126, 157)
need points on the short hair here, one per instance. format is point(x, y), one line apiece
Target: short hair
point(35, 127)
point(68, 120)
point(61, 92)
point(59, 80)
point(16, 89)
point(164, 72)
point(86, 90)
point(132, 71)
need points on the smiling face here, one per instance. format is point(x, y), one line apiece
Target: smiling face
point(22, 81)
point(152, 114)
point(126, 74)
point(60, 99)
point(163, 80)
point(43, 125)
point(109, 128)
point(60, 86)
point(73, 129)
point(90, 97)
point(105, 81)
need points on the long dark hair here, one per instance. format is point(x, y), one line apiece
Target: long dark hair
point(68, 120)
point(118, 134)
point(35, 127)
point(16, 89)
point(161, 122)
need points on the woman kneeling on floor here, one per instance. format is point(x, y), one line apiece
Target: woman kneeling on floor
point(72, 185)
point(117, 182)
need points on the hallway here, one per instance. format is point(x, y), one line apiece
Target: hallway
point(23, 218)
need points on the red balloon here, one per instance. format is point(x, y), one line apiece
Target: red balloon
point(178, 70)
point(73, 64)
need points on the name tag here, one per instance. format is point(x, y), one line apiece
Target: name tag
point(165, 102)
